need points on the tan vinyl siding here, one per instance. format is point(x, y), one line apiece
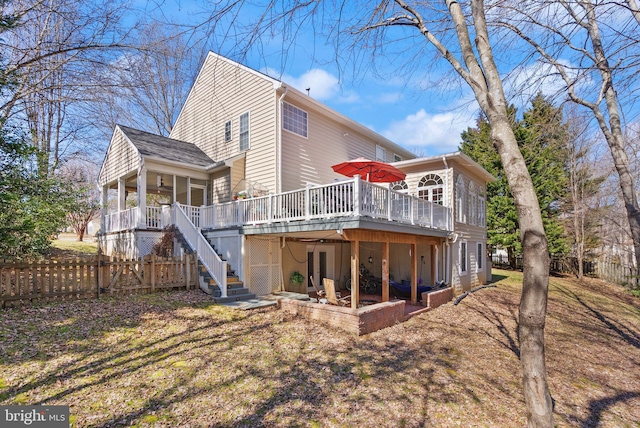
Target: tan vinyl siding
point(220, 187)
point(121, 159)
point(309, 160)
point(237, 175)
point(223, 92)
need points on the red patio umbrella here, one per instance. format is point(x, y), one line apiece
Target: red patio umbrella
point(372, 171)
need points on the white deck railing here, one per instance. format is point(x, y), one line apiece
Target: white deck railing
point(216, 267)
point(347, 198)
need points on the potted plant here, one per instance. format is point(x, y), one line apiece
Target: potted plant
point(297, 278)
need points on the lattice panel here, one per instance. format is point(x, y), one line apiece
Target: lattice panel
point(259, 252)
point(264, 265)
point(260, 283)
point(145, 245)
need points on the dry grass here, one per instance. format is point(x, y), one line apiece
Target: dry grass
point(174, 359)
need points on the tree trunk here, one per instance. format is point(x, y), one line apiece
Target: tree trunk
point(80, 234)
point(533, 304)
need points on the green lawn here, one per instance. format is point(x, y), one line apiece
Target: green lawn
point(174, 359)
point(66, 247)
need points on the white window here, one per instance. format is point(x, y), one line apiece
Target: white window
point(473, 204)
point(400, 186)
point(295, 120)
point(431, 188)
point(463, 258)
point(397, 158)
point(479, 256)
point(227, 131)
point(482, 208)
point(244, 131)
point(381, 153)
point(461, 200)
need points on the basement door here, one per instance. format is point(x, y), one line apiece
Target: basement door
point(320, 263)
point(264, 265)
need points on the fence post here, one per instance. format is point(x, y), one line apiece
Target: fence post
point(186, 265)
point(152, 272)
point(99, 279)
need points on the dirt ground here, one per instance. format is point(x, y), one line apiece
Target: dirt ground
point(176, 360)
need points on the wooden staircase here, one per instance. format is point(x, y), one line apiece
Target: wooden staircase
point(236, 291)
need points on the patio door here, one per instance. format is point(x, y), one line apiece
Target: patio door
point(197, 196)
point(320, 264)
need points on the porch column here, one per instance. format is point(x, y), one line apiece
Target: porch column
point(104, 200)
point(434, 264)
point(414, 274)
point(385, 271)
point(142, 198)
point(355, 273)
point(121, 194)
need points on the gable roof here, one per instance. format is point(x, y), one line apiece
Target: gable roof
point(458, 157)
point(166, 149)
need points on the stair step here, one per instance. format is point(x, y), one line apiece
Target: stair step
point(230, 285)
point(234, 298)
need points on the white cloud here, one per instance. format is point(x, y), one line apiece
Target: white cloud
point(322, 85)
point(389, 98)
point(430, 133)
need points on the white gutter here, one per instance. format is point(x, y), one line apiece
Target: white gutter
point(279, 152)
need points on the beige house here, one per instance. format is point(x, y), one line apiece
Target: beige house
point(246, 178)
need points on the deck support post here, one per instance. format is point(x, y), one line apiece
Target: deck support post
point(355, 273)
point(414, 274)
point(385, 271)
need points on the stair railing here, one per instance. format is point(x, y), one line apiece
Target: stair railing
point(216, 267)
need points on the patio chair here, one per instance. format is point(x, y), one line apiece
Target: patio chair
point(320, 293)
point(332, 296)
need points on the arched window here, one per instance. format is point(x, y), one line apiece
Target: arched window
point(461, 200)
point(431, 188)
point(473, 203)
point(400, 186)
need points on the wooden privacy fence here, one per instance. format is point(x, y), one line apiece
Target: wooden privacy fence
point(89, 278)
point(617, 273)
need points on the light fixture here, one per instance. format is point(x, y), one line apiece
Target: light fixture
point(370, 259)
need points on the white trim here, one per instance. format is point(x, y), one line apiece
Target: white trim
point(306, 125)
point(248, 114)
point(230, 123)
point(466, 258)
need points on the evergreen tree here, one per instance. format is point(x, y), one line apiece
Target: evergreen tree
point(541, 136)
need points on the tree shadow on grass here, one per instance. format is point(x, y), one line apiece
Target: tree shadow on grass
point(488, 313)
point(597, 407)
point(624, 332)
point(497, 278)
point(92, 359)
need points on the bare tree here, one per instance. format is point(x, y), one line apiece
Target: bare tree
point(593, 48)
point(149, 85)
point(582, 204)
point(52, 52)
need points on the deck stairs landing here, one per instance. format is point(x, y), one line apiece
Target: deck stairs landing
point(236, 291)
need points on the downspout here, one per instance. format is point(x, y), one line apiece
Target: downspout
point(447, 274)
point(279, 152)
